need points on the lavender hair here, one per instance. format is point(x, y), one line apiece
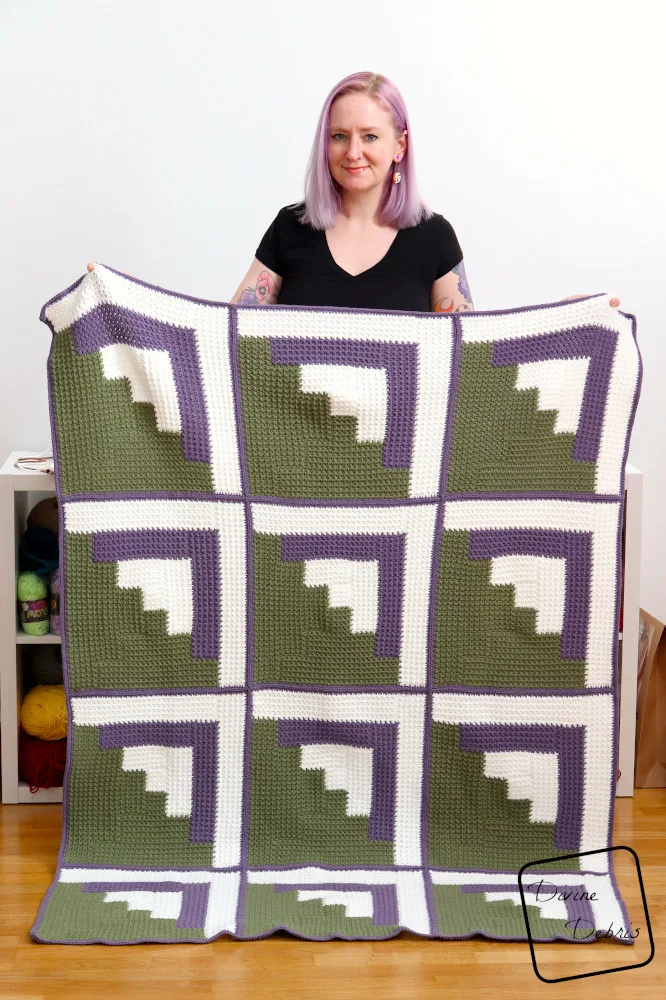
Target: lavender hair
point(400, 204)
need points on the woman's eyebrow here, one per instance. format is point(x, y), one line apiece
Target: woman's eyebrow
point(364, 128)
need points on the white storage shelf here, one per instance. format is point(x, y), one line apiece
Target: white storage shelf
point(20, 490)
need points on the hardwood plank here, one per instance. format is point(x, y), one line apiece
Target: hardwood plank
point(405, 968)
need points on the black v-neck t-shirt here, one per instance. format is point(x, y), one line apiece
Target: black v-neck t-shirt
point(402, 279)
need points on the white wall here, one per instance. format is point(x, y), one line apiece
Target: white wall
point(162, 137)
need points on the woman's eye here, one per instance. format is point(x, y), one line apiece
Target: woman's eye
point(339, 134)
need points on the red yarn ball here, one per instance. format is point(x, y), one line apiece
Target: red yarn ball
point(41, 762)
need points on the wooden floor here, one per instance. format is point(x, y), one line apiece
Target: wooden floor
point(405, 968)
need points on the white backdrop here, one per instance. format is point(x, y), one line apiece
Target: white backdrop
point(162, 137)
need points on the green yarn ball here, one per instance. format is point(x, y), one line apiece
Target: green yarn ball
point(29, 588)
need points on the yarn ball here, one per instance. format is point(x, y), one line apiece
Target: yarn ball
point(45, 515)
point(44, 663)
point(30, 587)
point(38, 551)
point(41, 763)
point(32, 593)
point(44, 712)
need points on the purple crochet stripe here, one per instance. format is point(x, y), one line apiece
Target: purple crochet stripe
point(200, 547)
point(110, 324)
point(202, 737)
point(380, 737)
point(399, 361)
point(194, 906)
point(387, 550)
point(384, 897)
point(568, 742)
point(577, 909)
point(575, 547)
point(594, 342)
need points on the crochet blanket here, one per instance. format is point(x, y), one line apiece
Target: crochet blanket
point(340, 617)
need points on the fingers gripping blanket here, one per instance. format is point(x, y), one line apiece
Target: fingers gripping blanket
point(341, 595)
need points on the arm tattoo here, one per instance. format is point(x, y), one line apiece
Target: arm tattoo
point(447, 304)
point(263, 293)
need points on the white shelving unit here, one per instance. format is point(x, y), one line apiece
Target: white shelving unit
point(20, 490)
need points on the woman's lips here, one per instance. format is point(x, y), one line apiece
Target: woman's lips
point(355, 170)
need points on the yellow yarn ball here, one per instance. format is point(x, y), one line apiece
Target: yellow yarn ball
point(44, 712)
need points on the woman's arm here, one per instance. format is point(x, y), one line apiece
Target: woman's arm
point(260, 286)
point(451, 293)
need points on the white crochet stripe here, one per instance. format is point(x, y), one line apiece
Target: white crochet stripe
point(222, 895)
point(416, 522)
point(533, 322)
point(353, 392)
point(532, 776)
point(228, 519)
point(168, 769)
point(405, 709)
point(347, 769)
point(561, 384)
point(549, 909)
point(165, 584)
point(538, 582)
point(624, 377)
point(160, 905)
point(351, 583)
point(228, 710)
point(210, 322)
point(595, 311)
point(432, 332)
point(605, 907)
point(600, 519)
point(410, 889)
point(593, 711)
point(150, 376)
point(356, 903)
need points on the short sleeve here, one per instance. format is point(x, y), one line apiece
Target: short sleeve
point(448, 249)
point(268, 251)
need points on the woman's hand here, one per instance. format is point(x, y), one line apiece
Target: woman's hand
point(91, 267)
point(614, 301)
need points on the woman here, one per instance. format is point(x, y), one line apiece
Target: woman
point(362, 237)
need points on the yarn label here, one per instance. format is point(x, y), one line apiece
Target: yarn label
point(34, 611)
point(55, 605)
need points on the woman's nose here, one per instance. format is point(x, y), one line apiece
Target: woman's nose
point(354, 151)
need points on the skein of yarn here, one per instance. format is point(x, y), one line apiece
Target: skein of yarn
point(54, 603)
point(32, 595)
point(44, 712)
point(43, 664)
point(41, 764)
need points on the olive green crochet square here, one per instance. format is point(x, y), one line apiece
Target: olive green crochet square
point(295, 448)
point(502, 441)
point(108, 443)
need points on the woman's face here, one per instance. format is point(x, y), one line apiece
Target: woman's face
point(362, 135)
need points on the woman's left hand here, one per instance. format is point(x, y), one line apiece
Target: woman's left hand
point(614, 301)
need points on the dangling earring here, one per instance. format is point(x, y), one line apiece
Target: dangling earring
point(397, 176)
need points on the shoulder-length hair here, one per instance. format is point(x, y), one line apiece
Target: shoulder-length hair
point(400, 204)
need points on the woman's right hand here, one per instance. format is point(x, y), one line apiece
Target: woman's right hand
point(91, 267)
